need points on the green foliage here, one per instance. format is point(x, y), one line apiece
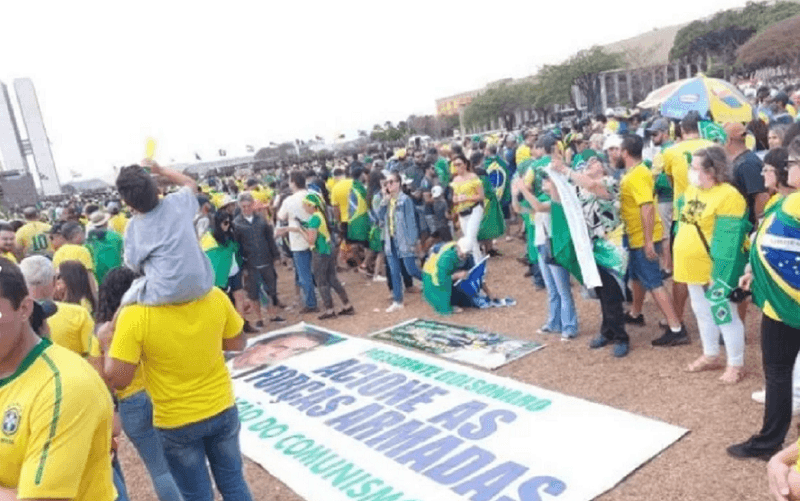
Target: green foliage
point(388, 132)
point(553, 85)
point(755, 17)
point(500, 101)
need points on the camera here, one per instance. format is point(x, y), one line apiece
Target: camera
point(738, 295)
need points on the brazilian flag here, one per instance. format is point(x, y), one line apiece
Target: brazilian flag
point(359, 225)
point(442, 167)
point(497, 170)
point(775, 259)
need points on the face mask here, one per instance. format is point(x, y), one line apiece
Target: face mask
point(694, 178)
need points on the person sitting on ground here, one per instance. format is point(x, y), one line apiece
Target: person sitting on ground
point(160, 240)
point(443, 267)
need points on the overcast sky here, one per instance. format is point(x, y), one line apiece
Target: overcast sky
point(200, 76)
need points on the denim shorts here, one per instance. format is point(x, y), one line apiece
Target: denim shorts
point(642, 269)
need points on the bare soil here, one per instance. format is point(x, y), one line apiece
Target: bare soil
point(649, 381)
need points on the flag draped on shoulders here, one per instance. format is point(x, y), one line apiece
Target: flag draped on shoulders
point(775, 259)
point(571, 245)
point(358, 210)
point(497, 170)
point(492, 225)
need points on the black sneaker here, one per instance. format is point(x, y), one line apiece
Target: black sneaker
point(260, 324)
point(248, 329)
point(746, 450)
point(638, 320)
point(277, 319)
point(670, 338)
point(598, 342)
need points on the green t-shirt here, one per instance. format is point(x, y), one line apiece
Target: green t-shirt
point(322, 244)
point(106, 252)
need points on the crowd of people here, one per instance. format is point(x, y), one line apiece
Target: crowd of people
point(152, 283)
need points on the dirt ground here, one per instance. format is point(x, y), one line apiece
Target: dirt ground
point(649, 381)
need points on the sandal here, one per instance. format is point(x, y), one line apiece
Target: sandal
point(326, 316)
point(732, 375)
point(704, 364)
point(348, 311)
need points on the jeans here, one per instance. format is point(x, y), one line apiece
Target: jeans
point(394, 261)
point(780, 345)
point(732, 332)
point(611, 299)
point(325, 273)
point(215, 440)
point(302, 268)
point(119, 480)
point(562, 316)
point(536, 274)
point(136, 413)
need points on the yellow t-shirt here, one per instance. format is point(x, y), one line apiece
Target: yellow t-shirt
point(636, 189)
point(676, 166)
point(180, 350)
point(523, 153)
point(56, 428)
point(118, 223)
point(469, 187)
point(32, 238)
point(73, 328)
point(10, 256)
point(329, 184)
point(692, 264)
point(73, 252)
point(340, 197)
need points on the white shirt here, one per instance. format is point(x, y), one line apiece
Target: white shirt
point(292, 210)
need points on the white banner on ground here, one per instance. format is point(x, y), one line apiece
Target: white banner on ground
point(340, 418)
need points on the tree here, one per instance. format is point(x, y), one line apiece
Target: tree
point(778, 45)
point(719, 37)
point(584, 68)
point(362, 133)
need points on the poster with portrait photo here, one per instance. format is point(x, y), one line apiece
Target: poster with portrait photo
point(274, 347)
point(462, 343)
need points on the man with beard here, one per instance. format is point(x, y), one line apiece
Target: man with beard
point(7, 242)
point(643, 235)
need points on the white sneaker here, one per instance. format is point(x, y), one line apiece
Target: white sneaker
point(394, 307)
point(378, 278)
point(761, 397)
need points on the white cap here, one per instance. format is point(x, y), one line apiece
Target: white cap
point(612, 141)
point(464, 245)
